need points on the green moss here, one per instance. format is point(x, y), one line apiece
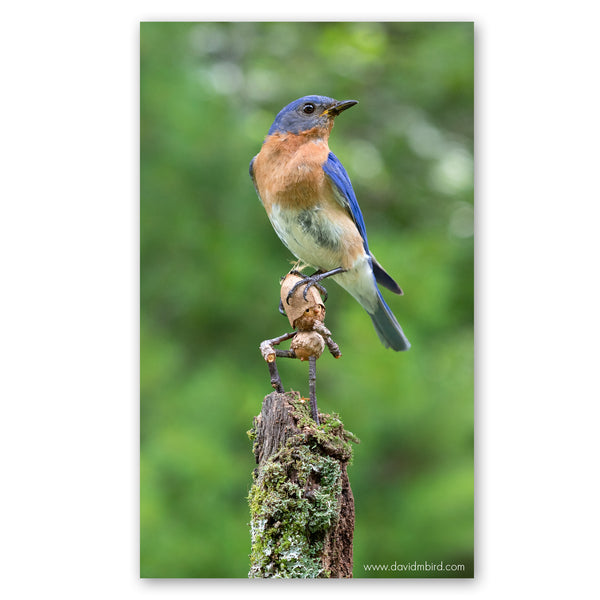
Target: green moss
point(330, 434)
point(288, 522)
point(295, 497)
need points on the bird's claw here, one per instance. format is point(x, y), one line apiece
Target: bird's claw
point(281, 309)
point(308, 282)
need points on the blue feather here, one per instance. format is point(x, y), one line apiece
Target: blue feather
point(334, 169)
point(387, 327)
point(347, 198)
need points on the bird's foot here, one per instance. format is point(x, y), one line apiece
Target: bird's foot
point(311, 280)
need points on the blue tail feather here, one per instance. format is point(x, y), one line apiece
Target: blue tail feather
point(388, 329)
point(384, 278)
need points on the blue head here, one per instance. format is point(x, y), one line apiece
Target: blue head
point(307, 113)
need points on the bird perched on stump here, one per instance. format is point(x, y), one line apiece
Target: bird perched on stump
point(311, 204)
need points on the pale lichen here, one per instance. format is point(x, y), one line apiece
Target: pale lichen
point(294, 500)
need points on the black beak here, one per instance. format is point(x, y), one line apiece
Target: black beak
point(338, 107)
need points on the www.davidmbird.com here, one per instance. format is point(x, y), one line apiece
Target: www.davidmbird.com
point(414, 566)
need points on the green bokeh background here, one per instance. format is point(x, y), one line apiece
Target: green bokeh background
point(210, 269)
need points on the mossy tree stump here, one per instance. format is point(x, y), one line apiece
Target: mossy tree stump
point(301, 504)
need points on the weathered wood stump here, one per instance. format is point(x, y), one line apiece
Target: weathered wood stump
point(301, 504)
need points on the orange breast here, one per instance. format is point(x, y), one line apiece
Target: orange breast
point(288, 169)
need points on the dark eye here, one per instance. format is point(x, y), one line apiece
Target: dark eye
point(308, 108)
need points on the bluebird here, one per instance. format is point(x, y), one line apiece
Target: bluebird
point(310, 202)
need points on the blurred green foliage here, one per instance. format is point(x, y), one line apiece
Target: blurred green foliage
point(210, 269)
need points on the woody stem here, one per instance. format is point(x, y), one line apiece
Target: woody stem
point(312, 384)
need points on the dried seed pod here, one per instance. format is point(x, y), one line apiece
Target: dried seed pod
point(301, 313)
point(307, 343)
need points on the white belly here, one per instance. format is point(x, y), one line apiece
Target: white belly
point(319, 243)
point(309, 236)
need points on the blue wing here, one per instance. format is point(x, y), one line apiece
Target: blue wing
point(347, 198)
point(345, 194)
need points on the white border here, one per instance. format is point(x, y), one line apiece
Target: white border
point(68, 241)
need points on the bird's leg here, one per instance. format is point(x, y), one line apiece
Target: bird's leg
point(313, 280)
point(312, 384)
